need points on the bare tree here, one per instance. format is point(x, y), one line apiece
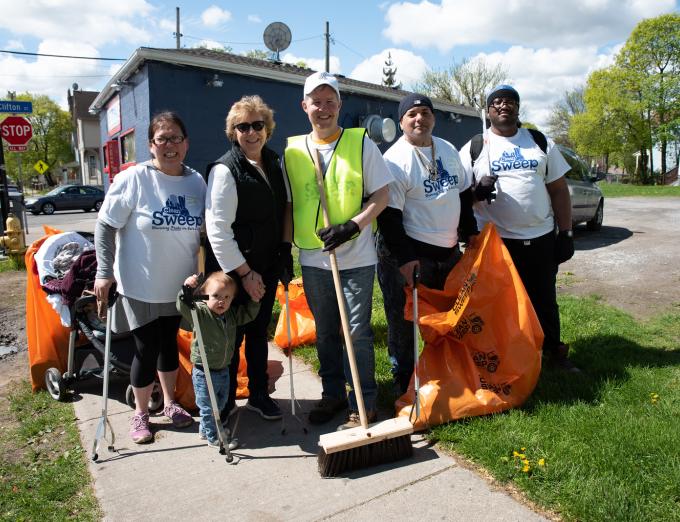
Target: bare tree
point(563, 111)
point(464, 83)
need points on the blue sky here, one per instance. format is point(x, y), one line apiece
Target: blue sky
point(546, 47)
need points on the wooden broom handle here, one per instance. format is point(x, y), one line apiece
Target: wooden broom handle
point(356, 383)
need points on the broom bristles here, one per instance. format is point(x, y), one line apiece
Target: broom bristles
point(381, 452)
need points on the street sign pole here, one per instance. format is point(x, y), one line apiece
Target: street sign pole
point(5, 188)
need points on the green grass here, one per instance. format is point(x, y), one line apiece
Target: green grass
point(12, 263)
point(43, 474)
point(615, 190)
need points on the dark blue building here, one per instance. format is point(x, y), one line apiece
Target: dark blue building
point(201, 85)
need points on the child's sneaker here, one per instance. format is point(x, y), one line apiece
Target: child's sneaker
point(233, 444)
point(178, 415)
point(139, 428)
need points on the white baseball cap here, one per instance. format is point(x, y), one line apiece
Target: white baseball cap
point(321, 78)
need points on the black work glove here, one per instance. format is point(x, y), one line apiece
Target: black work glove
point(564, 246)
point(485, 189)
point(286, 260)
point(336, 235)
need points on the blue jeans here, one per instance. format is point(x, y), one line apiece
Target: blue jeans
point(334, 369)
point(220, 382)
point(400, 338)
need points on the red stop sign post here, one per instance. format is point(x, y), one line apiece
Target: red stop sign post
point(17, 132)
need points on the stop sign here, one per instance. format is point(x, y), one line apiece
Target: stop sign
point(16, 130)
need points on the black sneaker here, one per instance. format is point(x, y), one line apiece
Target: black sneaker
point(326, 408)
point(263, 404)
point(558, 359)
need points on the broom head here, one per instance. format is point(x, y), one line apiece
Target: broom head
point(380, 443)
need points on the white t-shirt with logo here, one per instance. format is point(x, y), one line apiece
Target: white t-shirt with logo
point(159, 219)
point(359, 251)
point(430, 204)
point(522, 208)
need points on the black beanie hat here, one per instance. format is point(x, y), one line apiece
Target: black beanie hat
point(414, 100)
point(502, 90)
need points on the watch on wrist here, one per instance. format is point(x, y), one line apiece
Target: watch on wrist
point(568, 233)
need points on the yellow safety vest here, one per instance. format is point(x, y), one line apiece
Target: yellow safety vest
point(343, 184)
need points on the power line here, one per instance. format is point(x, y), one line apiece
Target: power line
point(64, 56)
point(56, 76)
point(247, 43)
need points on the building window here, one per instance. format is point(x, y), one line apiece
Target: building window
point(127, 148)
point(92, 166)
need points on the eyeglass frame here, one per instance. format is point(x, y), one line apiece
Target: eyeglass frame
point(163, 140)
point(499, 102)
point(245, 126)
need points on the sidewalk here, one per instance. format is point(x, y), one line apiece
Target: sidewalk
point(179, 477)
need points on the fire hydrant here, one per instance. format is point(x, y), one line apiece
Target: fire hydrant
point(14, 242)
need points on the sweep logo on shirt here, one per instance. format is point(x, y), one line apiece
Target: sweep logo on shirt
point(513, 161)
point(175, 216)
point(442, 184)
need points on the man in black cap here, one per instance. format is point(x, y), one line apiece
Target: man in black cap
point(524, 171)
point(429, 201)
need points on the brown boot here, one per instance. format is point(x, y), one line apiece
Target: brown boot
point(558, 359)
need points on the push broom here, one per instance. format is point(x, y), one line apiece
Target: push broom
point(363, 446)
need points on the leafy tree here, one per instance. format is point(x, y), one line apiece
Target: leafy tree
point(651, 59)
point(389, 72)
point(465, 82)
point(258, 54)
point(563, 111)
point(51, 142)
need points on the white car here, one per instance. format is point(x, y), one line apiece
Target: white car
point(587, 201)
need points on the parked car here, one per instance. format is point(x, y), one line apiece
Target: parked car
point(587, 201)
point(67, 197)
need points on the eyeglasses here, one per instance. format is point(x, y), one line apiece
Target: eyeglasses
point(499, 102)
point(245, 126)
point(162, 140)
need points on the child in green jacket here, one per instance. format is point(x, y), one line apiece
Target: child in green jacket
point(218, 322)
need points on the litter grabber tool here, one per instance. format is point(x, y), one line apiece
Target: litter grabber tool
point(293, 400)
point(190, 299)
point(416, 352)
point(363, 446)
point(104, 421)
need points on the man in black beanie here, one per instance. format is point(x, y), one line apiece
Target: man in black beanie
point(430, 201)
point(532, 201)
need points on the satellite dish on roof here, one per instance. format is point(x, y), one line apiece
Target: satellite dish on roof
point(277, 37)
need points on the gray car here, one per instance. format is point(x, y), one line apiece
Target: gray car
point(587, 201)
point(67, 197)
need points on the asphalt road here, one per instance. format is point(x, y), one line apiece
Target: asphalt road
point(67, 221)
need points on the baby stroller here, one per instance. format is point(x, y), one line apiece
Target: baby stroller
point(86, 360)
point(74, 338)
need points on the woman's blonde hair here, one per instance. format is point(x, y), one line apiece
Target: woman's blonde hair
point(242, 107)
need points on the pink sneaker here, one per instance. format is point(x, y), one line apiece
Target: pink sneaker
point(139, 428)
point(178, 415)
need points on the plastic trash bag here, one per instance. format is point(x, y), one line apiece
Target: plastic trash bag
point(482, 338)
point(302, 326)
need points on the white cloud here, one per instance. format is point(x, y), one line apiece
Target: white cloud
point(410, 67)
point(317, 64)
point(570, 22)
point(15, 45)
point(214, 16)
point(53, 76)
point(542, 76)
point(167, 25)
point(93, 23)
point(209, 44)
point(254, 19)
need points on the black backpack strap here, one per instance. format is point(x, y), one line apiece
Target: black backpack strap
point(540, 139)
point(476, 146)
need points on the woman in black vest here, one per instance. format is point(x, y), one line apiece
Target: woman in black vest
point(248, 221)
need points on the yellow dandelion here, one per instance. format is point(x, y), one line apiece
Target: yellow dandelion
point(541, 462)
point(523, 449)
point(526, 467)
point(654, 398)
point(515, 453)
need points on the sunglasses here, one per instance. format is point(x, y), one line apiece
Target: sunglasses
point(245, 126)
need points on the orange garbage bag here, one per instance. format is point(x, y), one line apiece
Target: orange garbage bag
point(483, 340)
point(302, 326)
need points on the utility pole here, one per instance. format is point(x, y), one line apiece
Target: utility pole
point(177, 33)
point(328, 48)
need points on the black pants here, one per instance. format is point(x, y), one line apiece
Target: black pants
point(257, 346)
point(537, 268)
point(155, 349)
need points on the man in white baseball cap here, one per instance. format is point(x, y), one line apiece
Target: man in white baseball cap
point(356, 185)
